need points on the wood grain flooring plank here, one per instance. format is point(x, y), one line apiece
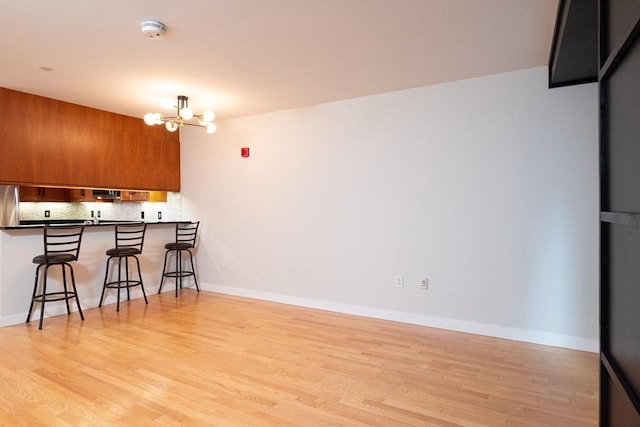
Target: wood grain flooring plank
point(210, 359)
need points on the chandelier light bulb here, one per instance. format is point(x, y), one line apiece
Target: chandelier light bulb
point(186, 113)
point(150, 119)
point(208, 116)
point(211, 127)
point(171, 126)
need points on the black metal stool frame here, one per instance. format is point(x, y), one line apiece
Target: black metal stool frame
point(186, 235)
point(129, 242)
point(61, 246)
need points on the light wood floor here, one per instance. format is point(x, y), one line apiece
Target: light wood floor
point(214, 360)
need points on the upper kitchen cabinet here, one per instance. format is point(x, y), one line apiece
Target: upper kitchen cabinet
point(44, 194)
point(134, 196)
point(143, 196)
point(80, 195)
point(50, 142)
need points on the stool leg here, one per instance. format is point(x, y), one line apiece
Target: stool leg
point(193, 270)
point(126, 278)
point(119, 282)
point(164, 269)
point(44, 292)
point(75, 291)
point(35, 289)
point(178, 266)
point(104, 285)
point(140, 278)
point(64, 285)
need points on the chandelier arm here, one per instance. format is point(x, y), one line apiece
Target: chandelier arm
point(194, 124)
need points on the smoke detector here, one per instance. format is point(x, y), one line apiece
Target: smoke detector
point(153, 29)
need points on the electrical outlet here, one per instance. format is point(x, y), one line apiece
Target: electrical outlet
point(141, 214)
point(399, 281)
point(47, 213)
point(424, 284)
point(159, 215)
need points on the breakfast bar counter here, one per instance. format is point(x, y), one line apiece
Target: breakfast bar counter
point(20, 243)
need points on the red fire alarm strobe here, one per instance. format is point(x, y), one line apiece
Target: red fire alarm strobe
point(244, 151)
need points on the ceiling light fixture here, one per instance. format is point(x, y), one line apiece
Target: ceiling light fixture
point(183, 115)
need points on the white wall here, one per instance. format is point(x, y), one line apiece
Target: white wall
point(488, 187)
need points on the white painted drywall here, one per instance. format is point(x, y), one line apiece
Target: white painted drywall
point(488, 187)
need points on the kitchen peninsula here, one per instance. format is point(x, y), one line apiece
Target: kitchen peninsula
point(20, 243)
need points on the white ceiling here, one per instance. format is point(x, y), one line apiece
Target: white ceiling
point(242, 57)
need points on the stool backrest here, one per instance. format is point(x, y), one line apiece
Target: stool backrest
point(130, 236)
point(187, 232)
point(59, 240)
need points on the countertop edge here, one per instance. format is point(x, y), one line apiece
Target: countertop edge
point(100, 224)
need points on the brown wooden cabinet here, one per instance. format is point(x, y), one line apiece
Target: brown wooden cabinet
point(81, 195)
point(57, 194)
point(157, 196)
point(30, 194)
point(44, 194)
point(92, 148)
point(143, 196)
point(134, 196)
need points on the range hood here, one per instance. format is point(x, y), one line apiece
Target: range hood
point(106, 194)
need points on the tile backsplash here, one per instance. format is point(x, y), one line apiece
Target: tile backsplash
point(171, 210)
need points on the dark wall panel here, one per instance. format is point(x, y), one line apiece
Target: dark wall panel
point(620, 17)
point(623, 284)
point(619, 78)
point(622, 121)
point(620, 412)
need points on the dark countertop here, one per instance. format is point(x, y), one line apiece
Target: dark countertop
point(29, 224)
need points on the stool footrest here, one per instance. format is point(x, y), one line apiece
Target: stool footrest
point(123, 284)
point(182, 273)
point(55, 296)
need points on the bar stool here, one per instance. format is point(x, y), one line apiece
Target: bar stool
point(61, 246)
point(186, 234)
point(129, 241)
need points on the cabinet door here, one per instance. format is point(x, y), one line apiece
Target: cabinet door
point(81, 195)
point(30, 194)
point(55, 194)
point(44, 194)
point(157, 196)
point(134, 196)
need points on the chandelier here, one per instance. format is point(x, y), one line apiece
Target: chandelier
point(184, 116)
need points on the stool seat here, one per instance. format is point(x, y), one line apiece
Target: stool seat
point(129, 241)
point(54, 259)
point(61, 247)
point(123, 252)
point(186, 234)
point(178, 246)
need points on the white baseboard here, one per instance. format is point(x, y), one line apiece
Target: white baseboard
point(516, 334)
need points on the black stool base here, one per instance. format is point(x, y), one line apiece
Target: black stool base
point(122, 283)
point(45, 296)
point(178, 274)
